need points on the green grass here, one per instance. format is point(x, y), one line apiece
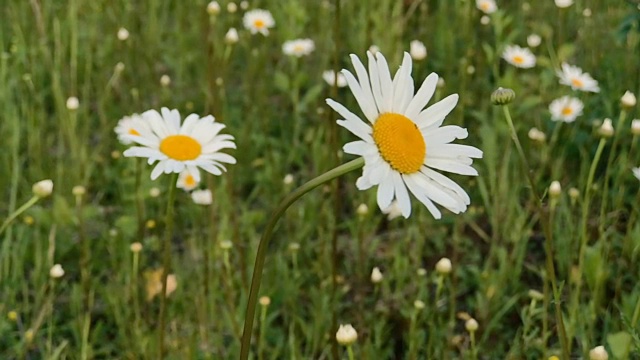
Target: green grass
point(274, 106)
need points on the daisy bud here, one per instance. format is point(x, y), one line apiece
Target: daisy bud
point(417, 50)
point(213, 8)
point(485, 20)
point(635, 127)
point(535, 295)
point(555, 189)
point(471, 325)
point(135, 247)
point(154, 192)
point(202, 197)
point(29, 220)
point(165, 80)
point(294, 247)
point(123, 34)
point(537, 135)
point(12, 316)
point(244, 5)
point(150, 224)
point(56, 271)
point(421, 272)
point(113, 232)
point(226, 244)
point(502, 96)
point(553, 357)
point(534, 40)
point(78, 190)
point(28, 335)
point(564, 3)
point(231, 37)
point(574, 193)
point(606, 129)
point(598, 353)
point(374, 49)
point(418, 304)
point(119, 67)
point(73, 103)
point(264, 300)
point(288, 179)
point(443, 266)
point(376, 275)
point(346, 335)
point(42, 188)
point(586, 12)
point(440, 83)
point(232, 7)
point(362, 210)
point(471, 69)
point(628, 100)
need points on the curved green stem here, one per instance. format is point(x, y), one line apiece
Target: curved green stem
point(16, 213)
point(256, 278)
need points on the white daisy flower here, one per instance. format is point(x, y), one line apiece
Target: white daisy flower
point(486, 6)
point(573, 76)
point(402, 144)
point(125, 128)
point(519, 57)
point(331, 77)
point(258, 21)
point(566, 109)
point(202, 197)
point(298, 47)
point(194, 144)
point(187, 181)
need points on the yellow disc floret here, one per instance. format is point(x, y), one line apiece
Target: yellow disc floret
point(400, 142)
point(180, 147)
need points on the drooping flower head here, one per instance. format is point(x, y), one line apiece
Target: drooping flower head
point(519, 57)
point(258, 21)
point(402, 143)
point(194, 144)
point(187, 181)
point(566, 109)
point(573, 76)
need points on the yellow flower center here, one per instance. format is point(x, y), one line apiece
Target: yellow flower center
point(400, 142)
point(258, 23)
point(518, 59)
point(180, 147)
point(189, 180)
point(133, 131)
point(484, 6)
point(567, 111)
point(577, 83)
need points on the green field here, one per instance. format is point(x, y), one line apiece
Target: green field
point(537, 271)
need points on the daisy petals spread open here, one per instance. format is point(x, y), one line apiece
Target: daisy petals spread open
point(194, 144)
point(402, 143)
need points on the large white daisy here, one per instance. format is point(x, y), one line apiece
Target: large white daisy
point(194, 144)
point(402, 143)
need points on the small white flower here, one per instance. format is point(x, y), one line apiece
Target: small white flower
point(485, 20)
point(244, 5)
point(42, 188)
point(598, 353)
point(154, 192)
point(393, 210)
point(56, 271)
point(537, 135)
point(563, 3)
point(126, 127)
point(555, 189)
point(298, 47)
point(119, 67)
point(376, 275)
point(187, 181)
point(123, 34)
point(573, 76)
point(419, 304)
point(213, 8)
point(331, 77)
point(232, 7)
point(628, 99)
point(587, 12)
point(258, 21)
point(165, 80)
point(443, 266)
point(606, 129)
point(519, 57)
point(346, 335)
point(486, 6)
point(471, 69)
point(202, 197)
point(534, 40)
point(417, 50)
point(288, 179)
point(231, 37)
point(471, 325)
point(566, 109)
point(135, 247)
point(362, 210)
point(635, 127)
point(73, 103)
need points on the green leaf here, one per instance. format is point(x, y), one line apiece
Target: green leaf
point(620, 344)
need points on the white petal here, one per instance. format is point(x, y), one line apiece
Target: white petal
point(385, 192)
point(357, 128)
point(356, 147)
point(435, 114)
point(363, 78)
point(158, 170)
point(375, 82)
point(422, 97)
point(404, 202)
point(445, 134)
point(386, 85)
point(363, 184)
point(366, 103)
point(419, 194)
point(189, 122)
point(451, 166)
point(156, 123)
point(218, 145)
point(446, 182)
point(401, 80)
point(454, 151)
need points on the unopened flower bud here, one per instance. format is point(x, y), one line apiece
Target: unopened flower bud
point(471, 325)
point(232, 7)
point(534, 40)
point(536, 295)
point(213, 8)
point(73, 103)
point(418, 304)
point(555, 189)
point(346, 335)
point(226, 244)
point(165, 80)
point(56, 271)
point(598, 353)
point(78, 190)
point(264, 300)
point(135, 247)
point(628, 100)
point(123, 34)
point(376, 275)
point(288, 179)
point(537, 135)
point(502, 96)
point(635, 127)
point(362, 210)
point(231, 37)
point(154, 192)
point(42, 188)
point(443, 266)
point(606, 129)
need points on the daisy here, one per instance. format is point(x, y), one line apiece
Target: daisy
point(258, 20)
point(402, 144)
point(298, 47)
point(519, 57)
point(125, 128)
point(187, 181)
point(191, 145)
point(331, 77)
point(566, 109)
point(573, 76)
point(487, 6)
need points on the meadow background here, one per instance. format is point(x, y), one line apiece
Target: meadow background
point(318, 269)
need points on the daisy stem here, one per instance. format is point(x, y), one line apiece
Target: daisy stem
point(268, 234)
point(16, 213)
point(545, 221)
point(139, 200)
point(166, 263)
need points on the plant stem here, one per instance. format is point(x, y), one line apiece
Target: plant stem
point(17, 213)
point(268, 234)
point(546, 226)
point(166, 263)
